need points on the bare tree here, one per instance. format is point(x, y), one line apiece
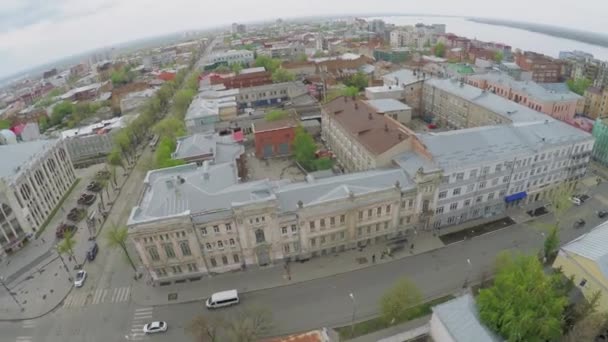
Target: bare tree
point(205, 328)
point(587, 329)
point(249, 325)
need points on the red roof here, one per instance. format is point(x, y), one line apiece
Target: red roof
point(166, 76)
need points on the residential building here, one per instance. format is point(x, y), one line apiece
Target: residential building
point(458, 320)
point(232, 56)
point(91, 144)
point(269, 94)
point(584, 259)
point(211, 146)
point(159, 60)
point(600, 133)
point(417, 37)
point(385, 92)
point(560, 105)
point(455, 104)
point(300, 69)
point(274, 138)
point(377, 26)
point(575, 54)
point(238, 28)
point(250, 77)
point(513, 70)
point(395, 55)
point(134, 101)
point(203, 113)
point(393, 108)
point(288, 51)
point(412, 83)
point(34, 177)
point(544, 68)
point(85, 93)
point(601, 81)
point(360, 138)
point(504, 49)
point(596, 102)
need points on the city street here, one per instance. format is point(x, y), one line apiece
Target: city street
point(301, 306)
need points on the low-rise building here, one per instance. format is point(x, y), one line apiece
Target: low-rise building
point(561, 105)
point(274, 138)
point(385, 92)
point(513, 70)
point(134, 101)
point(250, 77)
point(584, 259)
point(269, 94)
point(544, 68)
point(283, 51)
point(212, 147)
point(208, 108)
point(300, 69)
point(360, 138)
point(232, 56)
point(596, 102)
point(34, 177)
point(395, 55)
point(159, 60)
point(393, 108)
point(412, 82)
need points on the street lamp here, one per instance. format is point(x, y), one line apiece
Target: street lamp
point(10, 293)
point(352, 324)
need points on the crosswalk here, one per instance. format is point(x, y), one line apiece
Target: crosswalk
point(27, 324)
point(141, 316)
point(115, 295)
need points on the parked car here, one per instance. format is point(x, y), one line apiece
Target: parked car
point(81, 276)
point(155, 327)
point(579, 223)
point(575, 200)
point(92, 251)
point(602, 213)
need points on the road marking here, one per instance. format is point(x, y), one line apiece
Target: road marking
point(144, 309)
point(114, 295)
point(24, 339)
point(123, 294)
point(29, 324)
point(97, 298)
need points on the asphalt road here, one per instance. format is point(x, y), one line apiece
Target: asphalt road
point(302, 306)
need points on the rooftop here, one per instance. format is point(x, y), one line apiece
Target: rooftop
point(15, 156)
point(387, 105)
point(455, 149)
point(384, 88)
point(551, 92)
point(97, 128)
point(461, 319)
point(403, 76)
point(252, 70)
point(504, 107)
point(223, 149)
point(201, 107)
point(262, 125)
point(592, 246)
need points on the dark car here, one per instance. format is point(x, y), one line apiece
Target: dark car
point(602, 213)
point(92, 251)
point(579, 223)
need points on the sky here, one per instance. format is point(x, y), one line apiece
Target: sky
point(34, 32)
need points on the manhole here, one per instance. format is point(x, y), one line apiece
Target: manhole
point(172, 296)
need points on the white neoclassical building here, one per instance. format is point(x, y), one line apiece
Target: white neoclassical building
point(34, 176)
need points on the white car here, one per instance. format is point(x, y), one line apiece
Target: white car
point(575, 200)
point(155, 327)
point(81, 276)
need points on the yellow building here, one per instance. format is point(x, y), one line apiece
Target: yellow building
point(586, 258)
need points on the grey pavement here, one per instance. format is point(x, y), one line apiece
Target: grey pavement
point(398, 333)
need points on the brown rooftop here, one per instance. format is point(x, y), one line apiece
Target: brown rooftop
point(378, 133)
point(262, 125)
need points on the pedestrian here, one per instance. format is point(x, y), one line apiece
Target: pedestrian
point(43, 240)
point(373, 258)
point(412, 246)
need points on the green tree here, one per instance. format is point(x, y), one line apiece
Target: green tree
point(66, 246)
point(182, 100)
point(275, 115)
point(60, 111)
point(358, 80)
point(304, 149)
point(115, 158)
point(499, 56)
point(117, 238)
point(551, 243)
point(270, 64)
point(439, 50)
point(170, 127)
point(559, 199)
point(320, 54)
point(282, 75)
point(163, 152)
point(399, 301)
point(323, 164)
point(350, 91)
point(524, 303)
point(579, 85)
point(43, 123)
point(5, 124)
point(236, 68)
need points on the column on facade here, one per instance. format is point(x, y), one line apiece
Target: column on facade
point(39, 202)
point(50, 180)
point(2, 226)
point(26, 204)
point(61, 171)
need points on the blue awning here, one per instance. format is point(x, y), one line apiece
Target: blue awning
point(516, 196)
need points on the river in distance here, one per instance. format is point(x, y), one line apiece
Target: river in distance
point(516, 38)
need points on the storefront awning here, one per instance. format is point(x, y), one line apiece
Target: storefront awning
point(515, 197)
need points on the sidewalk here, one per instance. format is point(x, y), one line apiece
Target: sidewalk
point(255, 278)
point(400, 332)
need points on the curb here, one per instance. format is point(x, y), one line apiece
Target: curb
point(42, 314)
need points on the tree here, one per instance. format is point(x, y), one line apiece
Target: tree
point(275, 115)
point(60, 111)
point(358, 80)
point(524, 303)
point(115, 159)
point(206, 328)
point(163, 152)
point(397, 303)
point(236, 68)
point(350, 91)
point(587, 329)
point(304, 148)
point(323, 164)
point(117, 238)
point(270, 64)
point(579, 85)
point(498, 57)
point(182, 100)
point(5, 124)
point(66, 246)
point(551, 243)
point(282, 75)
point(171, 127)
point(248, 325)
point(319, 54)
point(439, 49)
point(43, 123)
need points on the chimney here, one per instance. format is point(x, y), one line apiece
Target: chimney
point(369, 116)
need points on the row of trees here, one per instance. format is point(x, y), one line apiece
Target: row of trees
point(246, 325)
point(73, 113)
point(122, 76)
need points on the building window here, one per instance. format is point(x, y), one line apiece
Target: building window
point(410, 203)
point(467, 203)
point(204, 231)
point(283, 230)
point(213, 262)
point(220, 244)
point(479, 199)
point(332, 221)
point(454, 206)
point(473, 173)
point(369, 213)
point(208, 246)
point(460, 176)
point(388, 209)
point(192, 268)
point(169, 250)
point(379, 211)
point(235, 257)
point(153, 253)
point(224, 260)
point(311, 224)
point(451, 219)
point(470, 187)
point(456, 191)
point(176, 269)
point(361, 215)
point(385, 225)
point(342, 219)
point(485, 170)
point(498, 167)
point(482, 185)
point(228, 227)
point(313, 242)
point(322, 240)
point(216, 229)
point(437, 224)
point(322, 223)
point(425, 205)
point(490, 196)
point(443, 194)
point(185, 247)
point(439, 210)
point(259, 236)
point(161, 272)
point(505, 179)
point(286, 248)
point(294, 228)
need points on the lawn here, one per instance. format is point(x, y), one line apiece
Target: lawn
point(378, 323)
point(50, 217)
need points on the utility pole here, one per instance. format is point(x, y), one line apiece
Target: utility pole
point(10, 293)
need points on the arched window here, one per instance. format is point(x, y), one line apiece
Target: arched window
point(259, 236)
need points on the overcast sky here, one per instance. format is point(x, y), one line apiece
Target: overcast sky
point(34, 32)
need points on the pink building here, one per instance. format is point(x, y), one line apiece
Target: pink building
point(554, 99)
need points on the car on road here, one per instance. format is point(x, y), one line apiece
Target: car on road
point(81, 276)
point(602, 213)
point(221, 299)
point(575, 200)
point(579, 223)
point(92, 251)
point(155, 327)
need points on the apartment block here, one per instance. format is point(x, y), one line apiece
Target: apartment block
point(544, 69)
point(596, 102)
point(232, 56)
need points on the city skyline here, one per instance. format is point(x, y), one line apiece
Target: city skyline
point(35, 32)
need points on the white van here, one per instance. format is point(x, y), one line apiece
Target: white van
point(221, 299)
